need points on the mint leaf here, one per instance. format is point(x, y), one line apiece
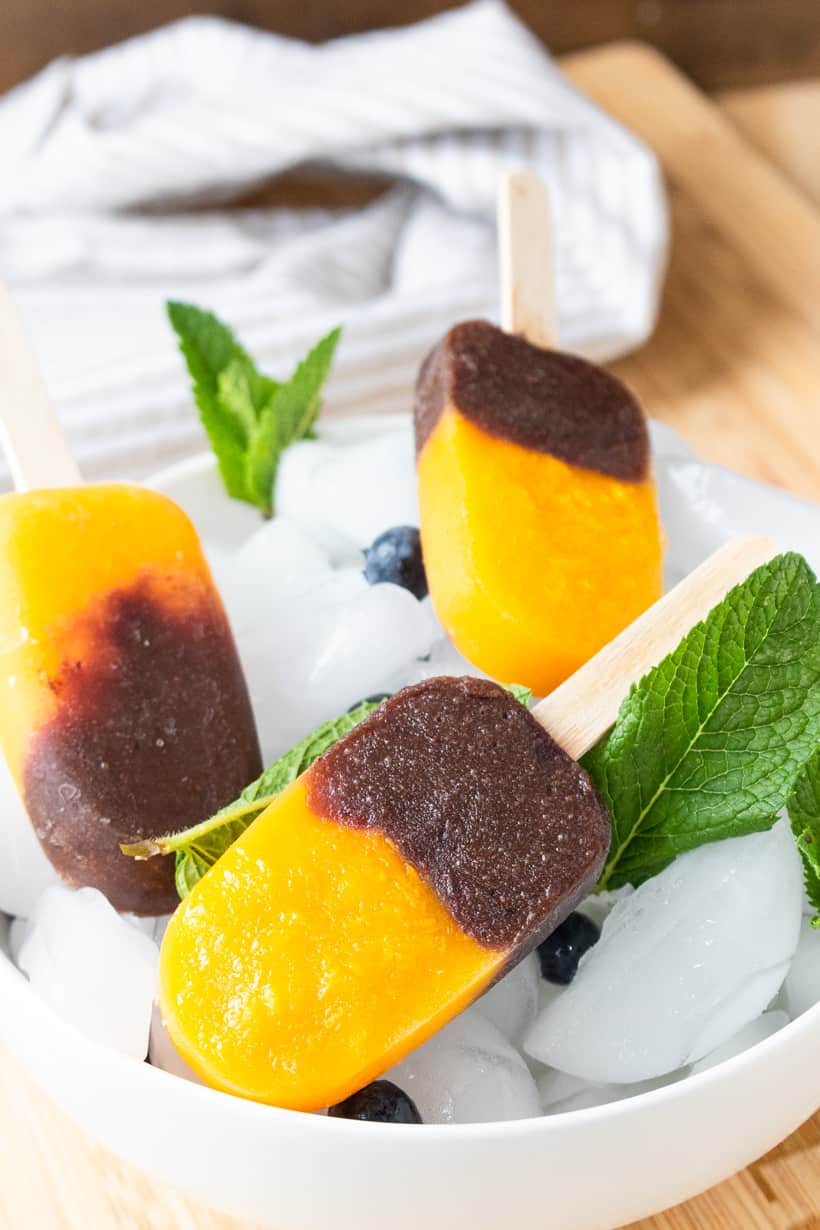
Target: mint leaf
point(249, 418)
point(709, 743)
point(209, 349)
point(521, 694)
point(262, 459)
point(198, 848)
point(804, 813)
point(289, 415)
point(296, 403)
point(243, 394)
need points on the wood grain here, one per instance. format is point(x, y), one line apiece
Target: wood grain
point(525, 258)
point(784, 124)
point(719, 43)
point(734, 365)
point(580, 712)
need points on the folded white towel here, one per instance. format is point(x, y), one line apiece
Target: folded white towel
point(203, 109)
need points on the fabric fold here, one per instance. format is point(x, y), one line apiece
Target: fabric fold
point(104, 156)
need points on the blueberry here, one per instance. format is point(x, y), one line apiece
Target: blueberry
point(560, 952)
point(396, 556)
point(375, 699)
point(378, 1102)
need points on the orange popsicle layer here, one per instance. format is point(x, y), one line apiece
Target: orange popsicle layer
point(123, 710)
point(306, 931)
point(533, 564)
point(539, 521)
point(378, 896)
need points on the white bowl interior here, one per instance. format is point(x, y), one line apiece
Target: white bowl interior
point(585, 1170)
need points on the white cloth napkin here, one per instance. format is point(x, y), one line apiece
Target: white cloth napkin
point(103, 157)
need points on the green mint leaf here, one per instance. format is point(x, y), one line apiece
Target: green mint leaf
point(288, 416)
point(708, 745)
point(521, 694)
point(247, 397)
point(296, 402)
point(243, 394)
point(250, 419)
point(209, 349)
point(804, 813)
point(262, 459)
point(198, 848)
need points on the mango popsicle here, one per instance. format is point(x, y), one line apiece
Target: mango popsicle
point(539, 520)
point(382, 892)
point(123, 709)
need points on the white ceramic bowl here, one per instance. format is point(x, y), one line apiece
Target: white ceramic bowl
point(586, 1170)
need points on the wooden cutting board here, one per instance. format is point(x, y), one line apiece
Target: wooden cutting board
point(735, 367)
point(734, 364)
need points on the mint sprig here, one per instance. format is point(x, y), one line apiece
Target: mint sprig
point(709, 744)
point(804, 813)
point(520, 693)
point(250, 418)
point(198, 848)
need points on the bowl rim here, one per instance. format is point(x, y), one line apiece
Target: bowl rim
point(263, 1117)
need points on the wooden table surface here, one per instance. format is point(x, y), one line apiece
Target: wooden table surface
point(735, 366)
point(719, 43)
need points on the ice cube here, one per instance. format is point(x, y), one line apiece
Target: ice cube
point(442, 658)
point(683, 963)
point(310, 658)
point(468, 1073)
point(547, 992)
point(92, 967)
point(299, 495)
point(163, 1054)
point(25, 872)
point(801, 989)
point(350, 493)
point(154, 928)
point(583, 1095)
point(599, 906)
point(556, 1087)
point(281, 559)
point(222, 563)
point(512, 1004)
point(756, 1031)
point(445, 659)
point(439, 632)
point(277, 563)
point(18, 934)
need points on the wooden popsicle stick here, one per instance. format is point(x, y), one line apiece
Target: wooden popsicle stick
point(525, 258)
point(31, 434)
point(579, 712)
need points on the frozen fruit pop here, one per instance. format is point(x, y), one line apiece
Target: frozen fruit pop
point(538, 514)
point(123, 709)
point(401, 874)
point(539, 523)
point(407, 869)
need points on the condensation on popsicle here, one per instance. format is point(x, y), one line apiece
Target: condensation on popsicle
point(123, 709)
point(539, 520)
point(391, 884)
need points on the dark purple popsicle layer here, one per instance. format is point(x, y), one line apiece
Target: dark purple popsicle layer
point(504, 826)
point(543, 400)
point(153, 733)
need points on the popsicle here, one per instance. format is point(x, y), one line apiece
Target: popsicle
point(539, 520)
point(123, 709)
point(412, 865)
